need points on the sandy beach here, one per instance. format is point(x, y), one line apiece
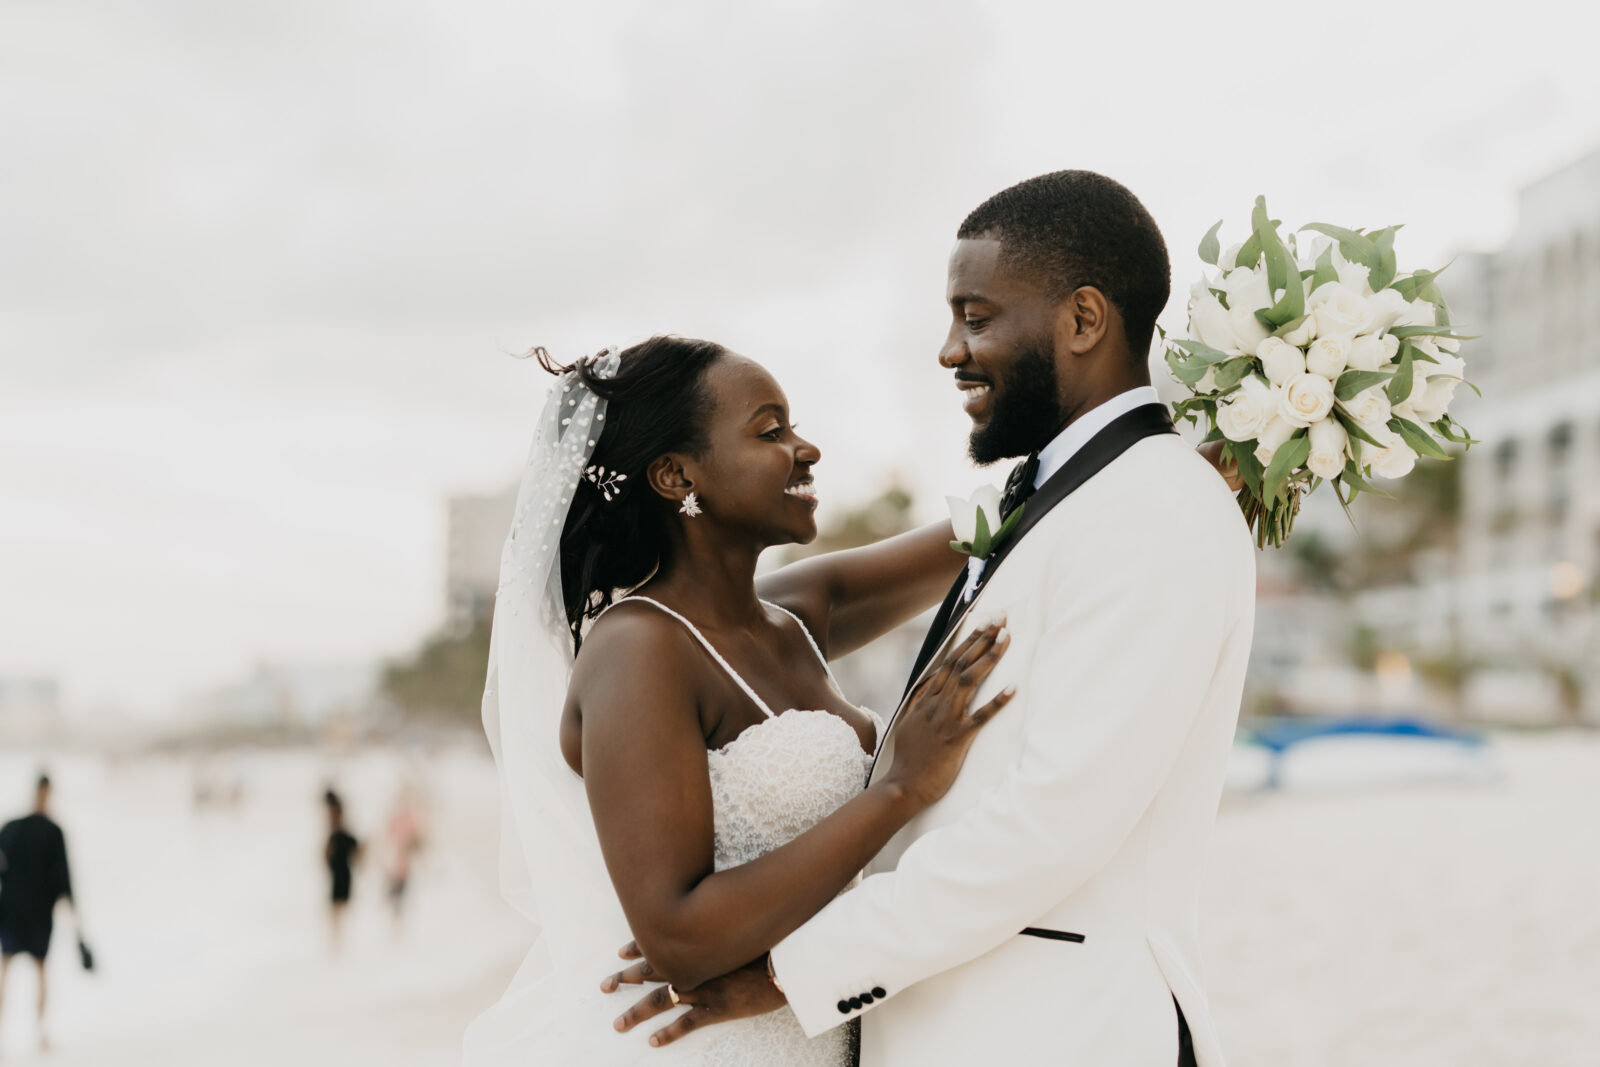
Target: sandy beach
point(1377, 911)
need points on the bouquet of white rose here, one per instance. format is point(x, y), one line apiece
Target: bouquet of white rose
point(1328, 366)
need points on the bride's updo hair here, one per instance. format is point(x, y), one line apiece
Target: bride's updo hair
point(658, 402)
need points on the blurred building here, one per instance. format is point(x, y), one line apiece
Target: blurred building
point(1518, 604)
point(478, 524)
point(290, 699)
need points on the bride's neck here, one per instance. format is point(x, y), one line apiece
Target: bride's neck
point(714, 585)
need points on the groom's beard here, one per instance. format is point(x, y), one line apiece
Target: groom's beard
point(1024, 417)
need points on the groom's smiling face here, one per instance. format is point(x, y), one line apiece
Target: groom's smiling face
point(1002, 349)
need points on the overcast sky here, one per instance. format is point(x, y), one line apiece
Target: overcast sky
point(261, 264)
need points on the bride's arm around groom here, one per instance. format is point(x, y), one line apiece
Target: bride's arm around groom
point(1082, 814)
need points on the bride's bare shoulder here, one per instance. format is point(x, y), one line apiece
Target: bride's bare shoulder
point(631, 639)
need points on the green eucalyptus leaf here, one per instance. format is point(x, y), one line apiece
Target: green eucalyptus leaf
point(1352, 477)
point(1250, 468)
point(1187, 371)
point(1210, 247)
point(1416, 353)
point(1285, 461)
point(1399, 386)
point(1419, 439)
point(1356, 248)
point(1381, 269)
point(1354, 382)
point(1249, 254)
point(1448, 429)
point(1200, 351)
point(1355, 429)
point(1430, 331)
point(1325, 271)
point(1229, 374)
point(1290, 326)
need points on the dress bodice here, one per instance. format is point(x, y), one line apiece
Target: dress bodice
point(769, 785)
point(780, 778)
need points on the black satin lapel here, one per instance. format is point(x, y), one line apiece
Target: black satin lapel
point(1121, 434)
point(936, 630)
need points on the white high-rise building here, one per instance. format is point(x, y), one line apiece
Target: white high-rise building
point(1520, 596)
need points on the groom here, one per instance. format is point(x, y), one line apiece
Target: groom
point(1044, 911)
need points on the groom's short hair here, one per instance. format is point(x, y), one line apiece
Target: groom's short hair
point(1074, 228)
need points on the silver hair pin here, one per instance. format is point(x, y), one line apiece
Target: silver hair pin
point(609, 482)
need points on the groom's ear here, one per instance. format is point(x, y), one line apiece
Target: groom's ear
point(1082, 319)
point(668, 477)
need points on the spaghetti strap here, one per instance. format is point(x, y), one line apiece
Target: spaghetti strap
point(812, 641)
point(749, 692)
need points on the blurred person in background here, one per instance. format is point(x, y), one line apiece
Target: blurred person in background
point(33, 876)
point(402, 840)
point(342, 852)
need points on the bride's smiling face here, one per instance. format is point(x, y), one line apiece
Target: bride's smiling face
point(755, 474)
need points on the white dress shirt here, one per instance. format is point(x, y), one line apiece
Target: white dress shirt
point(1065, 445)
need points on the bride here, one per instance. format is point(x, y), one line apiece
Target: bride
point(678, 764)
point(699, 753)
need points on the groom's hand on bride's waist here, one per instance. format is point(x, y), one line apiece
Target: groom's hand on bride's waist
point(738, 995)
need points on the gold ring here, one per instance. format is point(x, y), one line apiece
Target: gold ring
point(672, 995)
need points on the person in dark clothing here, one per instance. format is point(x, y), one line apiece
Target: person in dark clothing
point(33, 876)
point(342, 852)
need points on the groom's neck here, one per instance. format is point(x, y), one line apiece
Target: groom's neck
point(1108, 388)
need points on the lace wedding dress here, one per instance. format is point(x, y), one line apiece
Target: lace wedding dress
point(770, 784)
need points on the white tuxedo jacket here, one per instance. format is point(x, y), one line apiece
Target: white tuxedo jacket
point(1083, 811)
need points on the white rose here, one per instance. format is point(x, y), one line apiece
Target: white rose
point(1370, 408)
point(1366, 353)
point(1272, 438)
point(1418, 313)
point(1245, 413)
point(1448, 344)
point(1328, 355)
point(1305, 399)
point(1447, 366)
point(1302, 334)
point(1391, 347)
point(1395, 460)
point(964, 513)
point(1339, 309)
point(1248, 329)
point(1435, 400)
point(1280, 359)
point(1319, 244)
point(1209, 324)
point(1419, 385)
point(1385, 306)
point(1328, 440)
point(1247, 289)
point(1230, 256)
point(1351, 275)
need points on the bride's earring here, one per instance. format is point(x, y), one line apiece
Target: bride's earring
point(691, 506)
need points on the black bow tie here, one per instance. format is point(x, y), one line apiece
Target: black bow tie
point(1019, 486)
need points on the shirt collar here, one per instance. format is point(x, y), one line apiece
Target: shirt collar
point(1054, 456)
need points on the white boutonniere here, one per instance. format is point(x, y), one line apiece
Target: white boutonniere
point(978, 525)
